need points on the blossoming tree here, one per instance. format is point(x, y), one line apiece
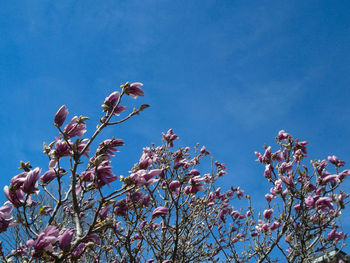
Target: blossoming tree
point(167, 209)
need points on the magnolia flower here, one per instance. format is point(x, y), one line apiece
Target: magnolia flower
point(66, 238)
point(134, 90)
point(48, 176)
point(110, 103)
point(195, 185)
point(31, 181)
point(284, 167)
point(269, 197)
point(268, 171)
point(332, 178)
point(282, 135)
point(268, 213)
point(275, 225)
point(109, 146)
point(174, 186)
point(26, 181)
point(334, 160)
point(288, 180)
point(5, 217)
point(121, 207)
point(160, 211)
point(170, 136)
point(60, 116)
point(143, 177)
point(104, 212)
point(301, 145)
point(310, 201)
point(101, 175)
point(15, 197)
point(237, 214)
point(334, 235)
point(18, 180)
point(324, 202)
point(75, 128)
point(297, 208)
point(45, 241)
point(112, 99)
point(342, 175)
point(278, 187)
point(204, 150)
point(105, 174)
point(262, 226)
point(78, 251)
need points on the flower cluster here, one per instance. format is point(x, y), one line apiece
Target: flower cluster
point(169, 208)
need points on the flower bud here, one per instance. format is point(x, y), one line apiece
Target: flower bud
point(60, 116)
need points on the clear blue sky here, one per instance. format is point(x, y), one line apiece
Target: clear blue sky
point(227, 74)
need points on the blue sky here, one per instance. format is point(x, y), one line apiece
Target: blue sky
point(227, 74)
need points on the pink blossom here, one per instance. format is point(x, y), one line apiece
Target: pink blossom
point(31, 181)
point(239, 193)
point(268, 170)
point(81, 145)
point(269, 197)
point(334, 235)
point(342, 175)
point(266, 158)
point(330, 179)
point(268, 213)
point(301, 145)
point(297, 208)
point(15, 197)
point(324, 202)
point(121, 207)
point(26, 181)
point(321, 165)
point(267, 155)
point(278, 187)
point(277, 156)
point(111, 102)
point(61, 149)
point(334, 160)
point(101, 175)
point(282, 135)
point(78, 251)
point(174, 186)
point(144, 177)
point(284, 167)
point(18, 180)
point(60, 116)
point(275, 225)
point(262, 226)
point(48, 176)
point(160, 211)
point(5, 217)
point(194, 172)
point(134, 90)
point(204, 151)
point(66, 238)
point(195, 185)
point(75, 128)
point(109, 146)
point(288, 180)
point(170, 137)
point(45, 241)
point(310, 201)
point(104, 212)
point(104, 174)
